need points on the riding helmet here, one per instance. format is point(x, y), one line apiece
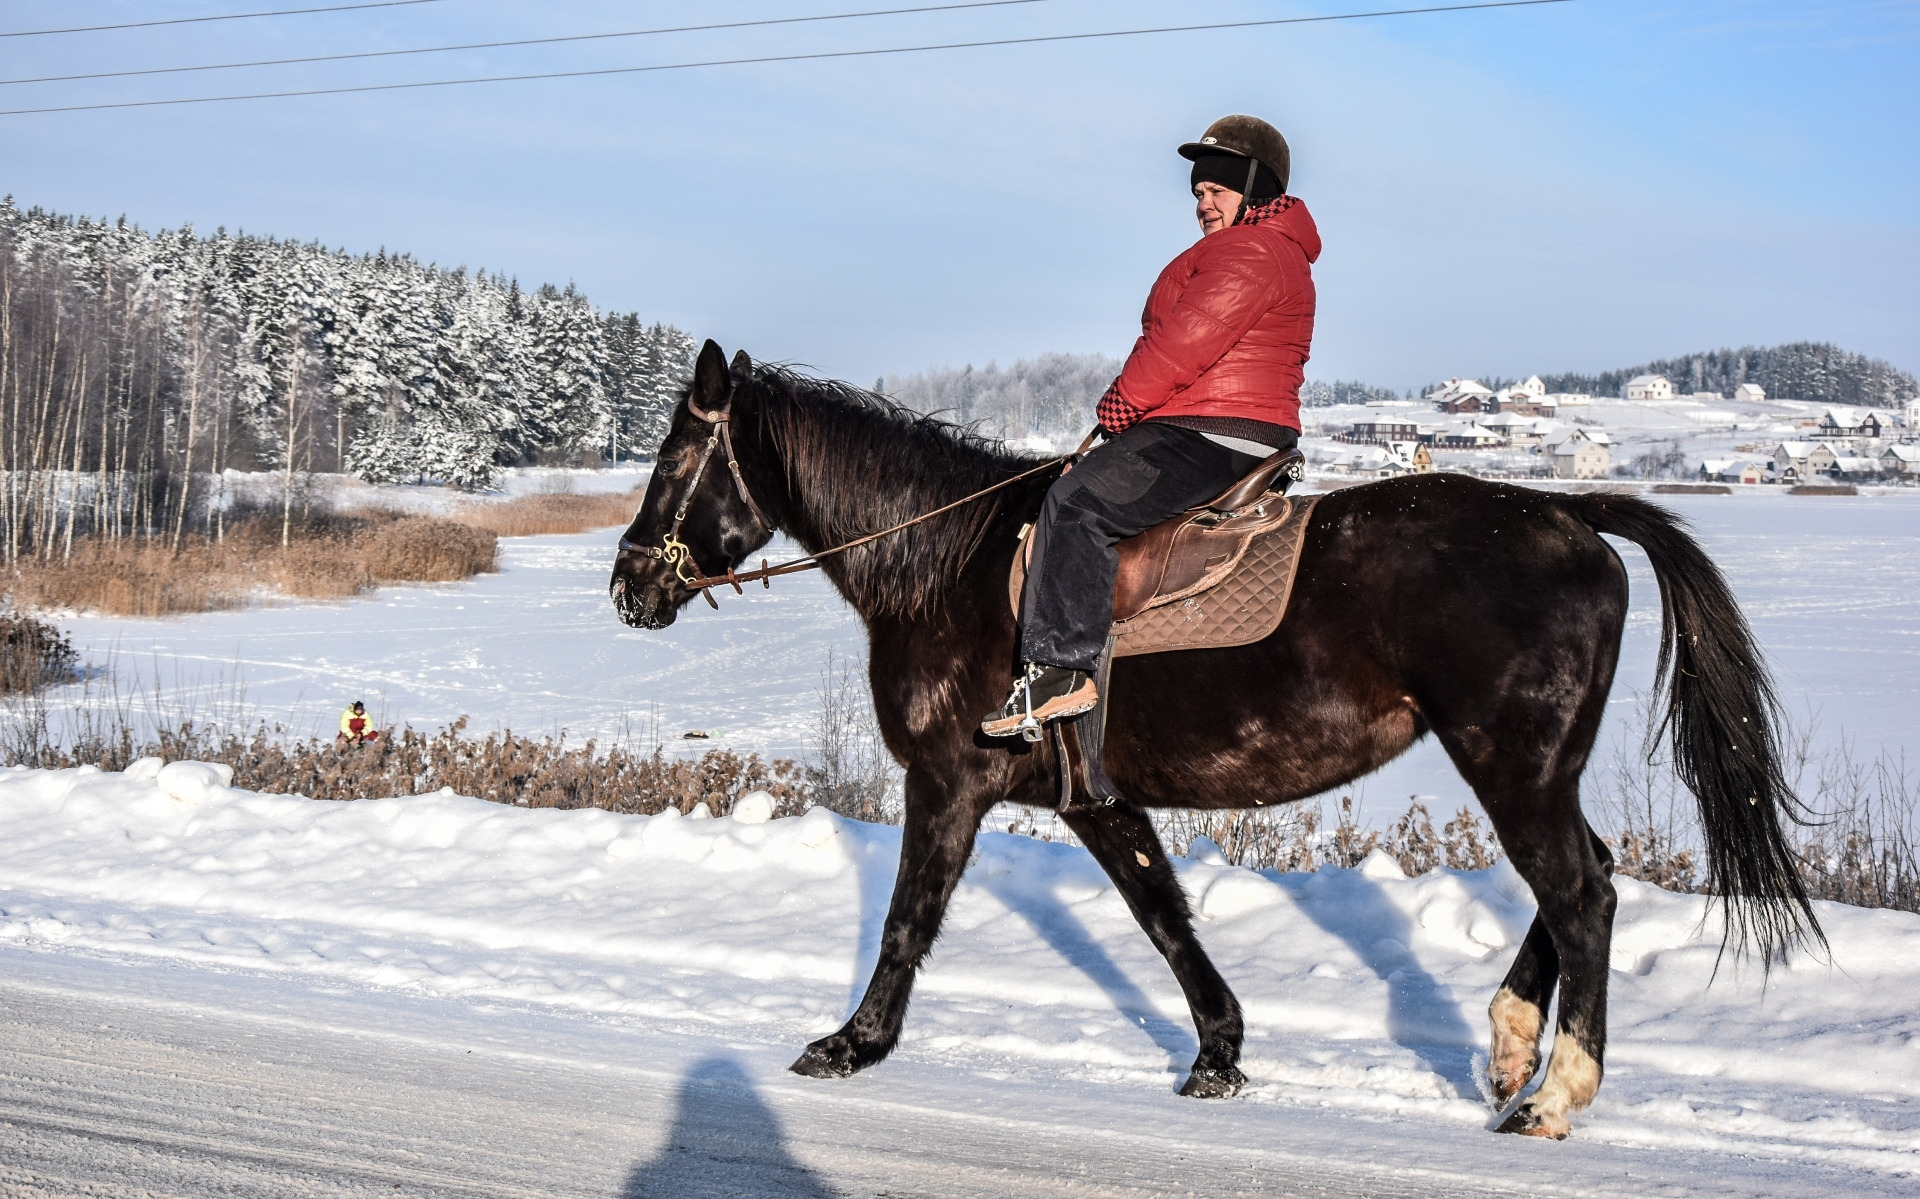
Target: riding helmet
point(1244, 137)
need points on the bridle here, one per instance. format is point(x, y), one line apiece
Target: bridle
point(677, 554)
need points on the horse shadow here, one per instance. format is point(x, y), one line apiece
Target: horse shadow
point(1056, 924)
point(725, 1141)
point(1422, 1015)
point(1067, 936)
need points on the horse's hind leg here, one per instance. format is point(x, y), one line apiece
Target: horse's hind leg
point(1124, 842)
point(1569, 870)
point(1518, 1014)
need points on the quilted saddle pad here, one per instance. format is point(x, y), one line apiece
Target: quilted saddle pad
point(1240, 609)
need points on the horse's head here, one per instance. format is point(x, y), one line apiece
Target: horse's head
point(696, 518)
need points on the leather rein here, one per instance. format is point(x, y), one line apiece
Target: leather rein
point(679, 555)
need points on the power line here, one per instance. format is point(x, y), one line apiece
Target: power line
point(531, 41)
point(772, 58)
point(232, 16)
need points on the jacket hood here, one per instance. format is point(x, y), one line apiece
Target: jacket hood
point(1289, 215)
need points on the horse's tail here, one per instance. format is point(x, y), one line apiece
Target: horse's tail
point(1725, 725)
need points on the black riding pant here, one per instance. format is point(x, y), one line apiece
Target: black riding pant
point(1147, 474)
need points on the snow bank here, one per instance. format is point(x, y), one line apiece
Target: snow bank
point(1364, 989)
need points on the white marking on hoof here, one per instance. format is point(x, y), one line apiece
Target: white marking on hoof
point(1573, 1078)
point(1515, 1053)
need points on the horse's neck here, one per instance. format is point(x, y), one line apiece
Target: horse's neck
point(865, 473)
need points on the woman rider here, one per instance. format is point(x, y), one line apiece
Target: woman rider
point(1211, 388)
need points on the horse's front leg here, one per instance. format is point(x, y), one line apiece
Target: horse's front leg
point(1123, 841)
point(942, 815)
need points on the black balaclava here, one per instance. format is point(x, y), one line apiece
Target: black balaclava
point(1230, 172)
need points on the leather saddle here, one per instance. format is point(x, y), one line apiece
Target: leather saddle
point(1199, 548)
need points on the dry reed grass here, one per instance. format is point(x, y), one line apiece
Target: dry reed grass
point(1291, 839)
point(502, 767)
point(330, 557)
point(551, 513)
point(33, 654)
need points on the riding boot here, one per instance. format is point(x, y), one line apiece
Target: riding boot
point(1041, 694)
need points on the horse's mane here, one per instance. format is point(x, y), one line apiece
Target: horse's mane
point(857, 462)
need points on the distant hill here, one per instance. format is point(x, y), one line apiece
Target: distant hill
point(1803, 370)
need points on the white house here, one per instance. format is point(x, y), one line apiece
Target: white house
point(1648, 387)
point(1468, 437)
point(1796, 460)
point(1578, 458)
point(1734, 470)
point(1379, 461)
point(1532, 387)
point(1518, 429)
point(1901, 460)
point(1749, 393)
point(1913, 414)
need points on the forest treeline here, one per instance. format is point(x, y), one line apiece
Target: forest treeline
point(1802, 370)
point(1053, 396)
point(136, 368)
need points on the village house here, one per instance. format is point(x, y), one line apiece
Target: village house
point(1578, 458)
point(1577, 453)
point(1518, 429)
point(1647, 387)
point(1848, 424)
point(1469, 436)
point(1913, 415)
point(1797, 460)
point(1384, 429)
point(1734, 470)
point(1749, 393)
point(1901, 460)
point(1457, 396)
point(1414, 454)
point(1846, 466)
point(1378, 461)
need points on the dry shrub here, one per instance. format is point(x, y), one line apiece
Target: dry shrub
point(537, 515)
point(1290, 839)
point(33, 653)
point(1858, 847)
point(330, 557)
point(502, 767)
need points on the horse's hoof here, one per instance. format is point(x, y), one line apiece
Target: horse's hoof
point(1530, 1123)
point(829, 1057)
point(1507, 1079)
point(1222, 1083)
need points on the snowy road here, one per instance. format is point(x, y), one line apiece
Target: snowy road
point(163, 1081)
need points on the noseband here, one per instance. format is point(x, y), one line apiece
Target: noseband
point(675, 552)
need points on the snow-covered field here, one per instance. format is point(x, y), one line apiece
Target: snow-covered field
point(1832, 586)
point(1365, 991)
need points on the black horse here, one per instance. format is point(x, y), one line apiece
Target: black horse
point(1485, 614)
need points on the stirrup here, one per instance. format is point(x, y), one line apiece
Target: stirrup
point(1030, 729)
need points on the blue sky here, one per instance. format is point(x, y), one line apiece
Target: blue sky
point(1570, 186)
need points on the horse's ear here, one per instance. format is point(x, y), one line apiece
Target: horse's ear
point(742, 366)
point(712, 386)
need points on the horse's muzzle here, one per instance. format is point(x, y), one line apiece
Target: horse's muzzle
point(640, 604)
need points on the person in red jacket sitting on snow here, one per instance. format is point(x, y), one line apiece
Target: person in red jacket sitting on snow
point(1211, 388)
point(355, 726)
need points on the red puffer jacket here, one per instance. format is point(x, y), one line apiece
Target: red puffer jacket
point(1228, 326)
